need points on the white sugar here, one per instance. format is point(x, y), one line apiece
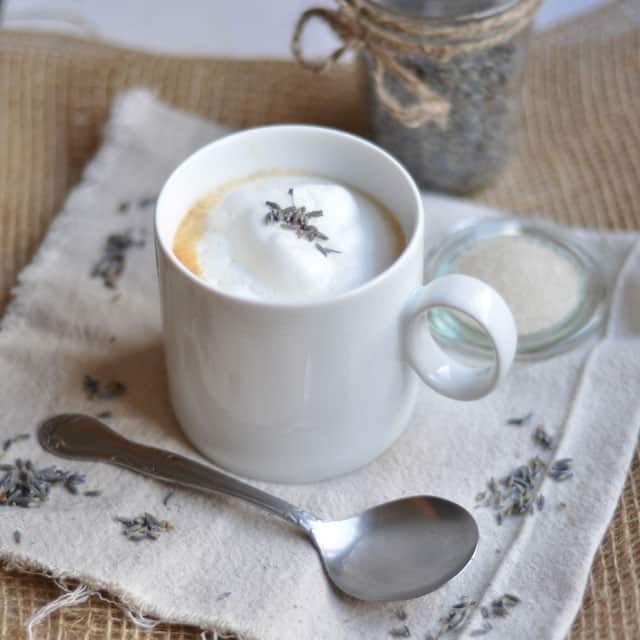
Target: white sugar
point(540, 285)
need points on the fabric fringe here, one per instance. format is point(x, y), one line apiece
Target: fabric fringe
point(74, 593)
point(217, 636)
point(76, 596)
point(78, 593)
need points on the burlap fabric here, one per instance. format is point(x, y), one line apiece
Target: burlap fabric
point(578, 161)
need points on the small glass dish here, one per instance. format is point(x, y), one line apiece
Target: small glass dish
point(584, 318)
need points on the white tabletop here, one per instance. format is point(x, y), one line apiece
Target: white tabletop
point(238, 28)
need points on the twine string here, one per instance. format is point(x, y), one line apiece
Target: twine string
point(389, 37)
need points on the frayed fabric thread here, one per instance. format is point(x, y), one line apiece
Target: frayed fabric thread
point(79, 593)
point(217, 636)
point(76, 596)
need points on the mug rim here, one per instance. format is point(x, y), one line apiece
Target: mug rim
point(346, 296)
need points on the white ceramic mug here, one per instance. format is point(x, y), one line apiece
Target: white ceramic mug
point(303, 392)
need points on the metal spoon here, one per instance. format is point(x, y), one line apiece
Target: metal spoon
point(395, 551)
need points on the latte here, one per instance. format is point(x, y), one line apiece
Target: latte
point(287, 238)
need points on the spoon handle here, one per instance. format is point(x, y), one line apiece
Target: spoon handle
point(83, 437)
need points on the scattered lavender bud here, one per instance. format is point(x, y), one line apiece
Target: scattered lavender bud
point(22, 485)
point(145, 526)
point(561, 470)
point(401, 614)
point(95, 389)
point(519, 422)
point(542, 438)
point(457, 615)
point(9, 442)
point(400, 632)
point(168, 496)
point(110, 265)
point(143, 203)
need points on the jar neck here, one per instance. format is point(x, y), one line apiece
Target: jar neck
point(425, 20)
point(442, 12)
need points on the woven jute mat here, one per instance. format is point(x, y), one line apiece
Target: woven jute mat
point(578, 161)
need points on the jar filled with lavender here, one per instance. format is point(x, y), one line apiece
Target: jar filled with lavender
point(442, 80)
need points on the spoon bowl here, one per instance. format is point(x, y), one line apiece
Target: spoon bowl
point(395, 551)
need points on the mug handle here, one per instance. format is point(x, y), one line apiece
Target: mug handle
point(481, 303)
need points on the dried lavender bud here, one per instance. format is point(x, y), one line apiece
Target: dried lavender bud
point(72, 481)
point(458, 615)
point(516, 494)
point(561, 470)
point(486, 627)
point(542, 438)
point(325, 251)
point(22, 485)
point(111, 264)
point(143, 203)
point(401, 614)
point(519, 422)
point(94, 389)
point(91, 386)
point(145, 526)
point(165, 500)
point(500, 606)
point(400, 632)
point(9, 442)
point(295, 219)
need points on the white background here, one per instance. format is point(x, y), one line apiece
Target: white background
point(238, 28)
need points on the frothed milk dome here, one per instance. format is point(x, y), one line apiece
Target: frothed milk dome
point(239, 253)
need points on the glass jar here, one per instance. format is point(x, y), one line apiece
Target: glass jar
point(473, 55)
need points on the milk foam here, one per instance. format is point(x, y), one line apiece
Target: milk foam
point(238, 253)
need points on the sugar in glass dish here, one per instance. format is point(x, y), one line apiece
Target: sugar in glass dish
point(551, 282)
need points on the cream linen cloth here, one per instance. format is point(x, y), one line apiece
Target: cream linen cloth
point(226, 565)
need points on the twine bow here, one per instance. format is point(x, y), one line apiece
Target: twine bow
point(387, 37)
